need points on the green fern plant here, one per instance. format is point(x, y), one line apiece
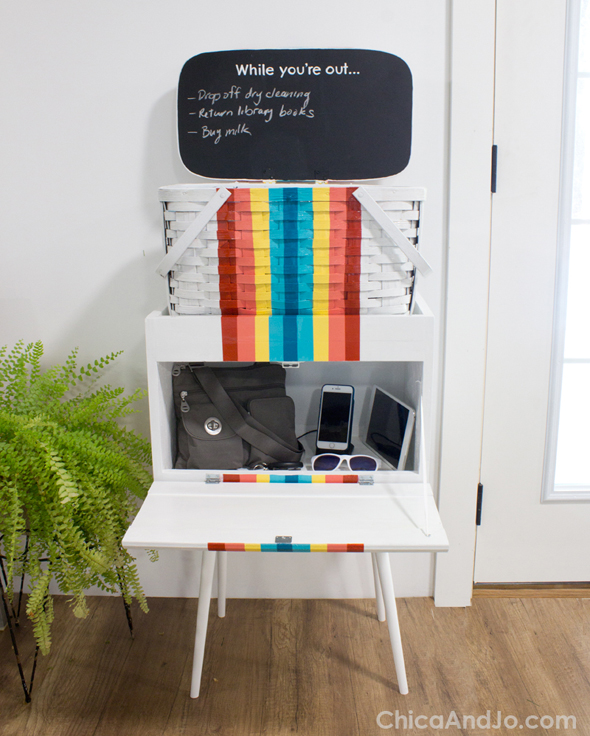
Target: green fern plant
point(70, 478)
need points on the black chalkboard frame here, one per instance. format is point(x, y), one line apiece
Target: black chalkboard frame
point(295, 114)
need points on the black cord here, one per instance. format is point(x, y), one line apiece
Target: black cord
point(305, 433)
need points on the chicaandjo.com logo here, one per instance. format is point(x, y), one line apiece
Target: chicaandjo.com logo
point(386, 719)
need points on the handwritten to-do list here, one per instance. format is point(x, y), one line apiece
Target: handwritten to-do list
point(305, 114)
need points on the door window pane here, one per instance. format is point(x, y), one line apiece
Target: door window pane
point(581, 188)
point(577, 331)
point(572, 467)
point(567, 462)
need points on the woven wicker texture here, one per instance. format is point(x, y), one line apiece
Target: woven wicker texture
point(296, 250)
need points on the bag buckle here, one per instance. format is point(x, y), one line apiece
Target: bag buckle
point(213, 425)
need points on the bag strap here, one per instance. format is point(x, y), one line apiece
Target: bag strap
point(242, 423)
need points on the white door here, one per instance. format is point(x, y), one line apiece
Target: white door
point(521, 539)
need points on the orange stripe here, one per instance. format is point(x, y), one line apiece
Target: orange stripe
point(247, 337)
point(246, 261)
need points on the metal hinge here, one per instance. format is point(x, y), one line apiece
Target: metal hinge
point(479, 503)
point(494, 167)
point(366, 480)
point(210, 478)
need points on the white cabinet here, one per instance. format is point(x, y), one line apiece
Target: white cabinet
point(395, 354)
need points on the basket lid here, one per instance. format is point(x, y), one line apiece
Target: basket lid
point(295, 114)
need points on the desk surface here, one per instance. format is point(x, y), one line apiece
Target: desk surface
point(382, 517)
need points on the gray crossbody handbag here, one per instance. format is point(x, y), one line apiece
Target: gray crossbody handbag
point(233, 417)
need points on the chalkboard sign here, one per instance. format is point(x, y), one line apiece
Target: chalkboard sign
point(303, 114)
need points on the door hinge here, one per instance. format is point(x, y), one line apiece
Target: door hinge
point(479, 502)
point(494, 167)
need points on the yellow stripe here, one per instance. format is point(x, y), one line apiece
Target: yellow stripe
point(318, 547)
point(321, 220)
point(262, 478)
point(321, 332)
point(321, 267)
point(318, 478)
point(251, 548)
point(261, 340)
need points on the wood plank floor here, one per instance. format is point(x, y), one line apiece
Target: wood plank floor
point(312, 667)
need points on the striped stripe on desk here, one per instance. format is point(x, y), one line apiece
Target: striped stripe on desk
point(241, 547)
point(262, 478)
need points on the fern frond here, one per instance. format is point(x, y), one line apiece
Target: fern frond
point(70, 479)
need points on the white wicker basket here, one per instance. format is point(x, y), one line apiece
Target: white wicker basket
point(386, 230)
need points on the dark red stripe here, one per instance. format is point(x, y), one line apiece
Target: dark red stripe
point(228, 289)
point(352, 286)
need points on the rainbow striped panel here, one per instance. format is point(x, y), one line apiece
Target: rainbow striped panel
point(290, 274)
point(267, 478)
point(240, 547)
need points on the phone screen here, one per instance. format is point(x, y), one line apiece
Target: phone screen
point(387, 427)
point(335, 417)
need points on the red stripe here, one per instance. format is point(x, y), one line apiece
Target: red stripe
point(336, 334)
point(231, 478)
point(227, 285)
point(353, 280)
point(239, 267)
point(217, 546)
point(229, 336)
point(226, 238)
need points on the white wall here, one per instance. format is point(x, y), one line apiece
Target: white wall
point(88, 135)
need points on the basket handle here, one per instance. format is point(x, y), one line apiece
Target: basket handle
point(193, 231)
point(392, 231)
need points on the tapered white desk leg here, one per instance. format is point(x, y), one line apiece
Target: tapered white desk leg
point(392, 620)
point(221, 582)
point(207, 569)
point(378, 591)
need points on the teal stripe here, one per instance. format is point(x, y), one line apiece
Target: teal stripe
point(275, 338)
point(305, 337)
point(290, 479)
point(291, 239)
point(277, 251)
point(305, 263)
point(291, 255)
point(285, 547)
point(290, 345)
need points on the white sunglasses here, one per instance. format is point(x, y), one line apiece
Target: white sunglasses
point(328, 461)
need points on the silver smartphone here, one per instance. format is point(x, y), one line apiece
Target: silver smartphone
point(335, 417)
